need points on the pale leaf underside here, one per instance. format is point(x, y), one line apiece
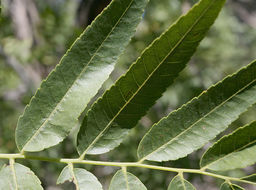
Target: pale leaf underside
point(124, 180)
point(133, 94)
point(228, 186)
point(18, 177)
point(179, 183)
point(82, 179)
point(237, 150)
point(55, 108)
point(194, 124)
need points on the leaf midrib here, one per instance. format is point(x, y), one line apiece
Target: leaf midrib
point(183, 183)
point(140, 87)
point(126, 179)
point(145, 157)
point(238, 150)
point(14, 175)
point(71, 169)
point(79, 76)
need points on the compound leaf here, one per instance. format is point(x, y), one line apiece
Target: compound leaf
point(18, 177)
point(228, 186)
point(62, 97)
point(127, 101)
point(237, 150)
point(124, 180)
point(194, 124)
point(179, 183)
point(82, 179)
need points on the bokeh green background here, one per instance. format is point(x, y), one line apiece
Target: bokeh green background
point(34, 34)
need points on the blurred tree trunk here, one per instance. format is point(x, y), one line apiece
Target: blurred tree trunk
point(245, 10)
point(18, 12)
point(24, 16)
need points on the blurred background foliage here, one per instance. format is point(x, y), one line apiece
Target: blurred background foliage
point(34, 35)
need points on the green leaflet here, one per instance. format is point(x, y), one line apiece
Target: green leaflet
point(82, 179)
point(123, 180)
point(179, 183)
point(55, 108)
point(133, 94)
point(227, 186)
point(237, 150)
point(18, 177)
point(194, 124)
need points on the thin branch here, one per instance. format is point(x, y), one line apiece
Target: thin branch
point(29, 77)
point(122, 164)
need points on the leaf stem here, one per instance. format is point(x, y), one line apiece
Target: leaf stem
point(122, 165)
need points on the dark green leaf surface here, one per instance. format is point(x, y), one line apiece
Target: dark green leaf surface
point(55, 108)
point(237, 150)
point(123, 180)
point(133, 94)
point(18, 177)
point(82, 179)
point(251, 178)
point(194, 124)
point(179, 183)
point(226, 186)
